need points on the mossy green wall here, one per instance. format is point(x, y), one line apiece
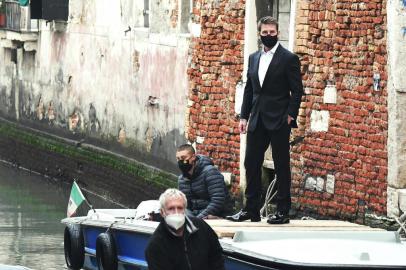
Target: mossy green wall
point(105, 172)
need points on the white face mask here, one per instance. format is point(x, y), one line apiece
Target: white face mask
point(175, 220)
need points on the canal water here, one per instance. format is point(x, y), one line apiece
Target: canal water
point(31, 208)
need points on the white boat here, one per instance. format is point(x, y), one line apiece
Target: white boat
point(114, 239)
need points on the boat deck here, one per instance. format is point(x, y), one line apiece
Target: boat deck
point(227, 229)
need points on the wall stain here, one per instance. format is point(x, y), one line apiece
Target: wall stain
point(75, 123)
point(94, 121)
point(379, 32)
point(40, 109)
point(148, 138)
point(174, 15)
point(165, 146)
point(51, 112)
point(136, 61)
point(3, 99)
point(122, 135)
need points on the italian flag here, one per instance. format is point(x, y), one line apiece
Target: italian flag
point(75, 199)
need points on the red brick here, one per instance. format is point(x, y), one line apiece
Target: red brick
point(354, 147)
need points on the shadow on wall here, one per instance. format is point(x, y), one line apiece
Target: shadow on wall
point(165, 146)
point(94, 124)
point(3, 100)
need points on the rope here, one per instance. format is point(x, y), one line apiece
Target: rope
point(307, 218)
point(264, 210)
point(111, 226)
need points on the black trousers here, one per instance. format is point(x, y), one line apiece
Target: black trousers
point(257, 143)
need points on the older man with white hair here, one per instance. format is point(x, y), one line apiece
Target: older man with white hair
point(182, 242)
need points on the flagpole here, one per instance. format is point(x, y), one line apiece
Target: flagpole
point(91, 206)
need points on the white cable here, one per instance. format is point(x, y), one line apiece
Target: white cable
point(307, 218)
point(268, 198)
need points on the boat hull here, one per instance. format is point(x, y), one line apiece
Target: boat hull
point(247, 251)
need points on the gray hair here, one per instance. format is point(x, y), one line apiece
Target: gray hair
point(172, 193)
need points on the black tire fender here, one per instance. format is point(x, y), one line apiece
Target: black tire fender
point(106, 252)
point(74, 248)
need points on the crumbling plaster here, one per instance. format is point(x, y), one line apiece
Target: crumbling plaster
point(98, 76)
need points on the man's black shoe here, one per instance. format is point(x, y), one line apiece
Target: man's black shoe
point(243, 216)
point(278, 218)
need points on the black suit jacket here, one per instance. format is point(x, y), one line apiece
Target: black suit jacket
point(280, 94)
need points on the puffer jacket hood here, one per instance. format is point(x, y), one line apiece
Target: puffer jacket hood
point(201, 163)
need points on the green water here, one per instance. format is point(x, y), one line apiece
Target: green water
point(31, 208)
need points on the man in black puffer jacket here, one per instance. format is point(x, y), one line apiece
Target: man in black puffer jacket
point(203, 184)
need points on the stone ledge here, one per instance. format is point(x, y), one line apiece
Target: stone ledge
point(19, 36)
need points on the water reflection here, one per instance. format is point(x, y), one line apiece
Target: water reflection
point(31, 208)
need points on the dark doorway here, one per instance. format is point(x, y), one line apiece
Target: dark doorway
point(264, 8)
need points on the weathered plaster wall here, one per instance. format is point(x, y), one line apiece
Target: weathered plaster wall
point(106, 76)
point(396, 107)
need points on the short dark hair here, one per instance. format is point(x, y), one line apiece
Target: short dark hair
point(267, 20)
point(186, 147)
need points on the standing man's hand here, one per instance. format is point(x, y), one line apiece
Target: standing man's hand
point(243, 126)
point(290, 119)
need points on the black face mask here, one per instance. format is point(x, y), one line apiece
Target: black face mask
point(269, 41)
point(185, 166)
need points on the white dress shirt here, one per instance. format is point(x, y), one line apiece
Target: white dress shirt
point(264, 61)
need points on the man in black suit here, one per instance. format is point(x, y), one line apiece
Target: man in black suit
point(271, 102)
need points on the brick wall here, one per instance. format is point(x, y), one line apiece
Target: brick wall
point(342, 172)
point(216, 67)
point(340, 169)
